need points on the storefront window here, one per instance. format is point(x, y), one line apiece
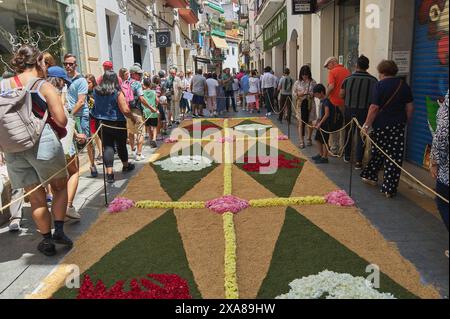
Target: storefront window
point(349, 33)
point(47, 22)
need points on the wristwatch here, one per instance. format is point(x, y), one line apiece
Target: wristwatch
point(365, 126)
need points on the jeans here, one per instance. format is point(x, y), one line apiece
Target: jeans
point(268, 99)
point(230, 95)
point(442, 190)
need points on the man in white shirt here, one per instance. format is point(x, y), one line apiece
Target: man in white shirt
point(268, 85)
point(211, 99)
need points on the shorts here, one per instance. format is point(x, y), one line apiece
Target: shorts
point(39, 163)
point(184, 104)
point(162, 114)
point(198, 99)
point(322, 137)
point(138, 127)
point(153, 122)
point(83, 125)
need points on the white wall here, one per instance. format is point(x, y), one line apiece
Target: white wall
point(323, 42)
point(122, 48)
point(232, 61)
point(375, 43)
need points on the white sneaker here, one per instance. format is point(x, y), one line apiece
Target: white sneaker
point(72, 213)
point(14, 225)
point(139, 158)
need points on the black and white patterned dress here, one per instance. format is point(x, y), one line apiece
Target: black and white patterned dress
point(439, 149)
point(389, 132)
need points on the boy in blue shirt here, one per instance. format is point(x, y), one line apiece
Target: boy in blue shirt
point(330, 119)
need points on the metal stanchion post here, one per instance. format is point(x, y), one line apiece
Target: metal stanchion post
point(289, 115)
point(351, 138)
point(104, 167)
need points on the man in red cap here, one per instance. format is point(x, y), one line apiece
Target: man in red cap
point(107, 66)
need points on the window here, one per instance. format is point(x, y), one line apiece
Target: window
point(232, 50)
point(349, 33)
point(108, 30)
point(46, 17)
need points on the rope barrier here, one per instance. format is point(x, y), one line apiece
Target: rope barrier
point(321, 131)
point(396, 164)
point(353, 121)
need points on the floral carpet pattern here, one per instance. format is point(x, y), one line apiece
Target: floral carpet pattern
point(258, 221)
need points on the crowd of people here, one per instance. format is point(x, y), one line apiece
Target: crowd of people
point(107, 114)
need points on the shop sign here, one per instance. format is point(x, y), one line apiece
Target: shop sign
point(303, 6)
point(163, 39)
point(275, 32)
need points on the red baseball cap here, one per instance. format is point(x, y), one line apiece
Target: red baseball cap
point(108, 65)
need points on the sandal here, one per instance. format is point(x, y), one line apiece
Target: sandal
point(309, 142)
point(302, 145)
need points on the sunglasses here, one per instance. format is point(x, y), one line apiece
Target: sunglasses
point(69, 64)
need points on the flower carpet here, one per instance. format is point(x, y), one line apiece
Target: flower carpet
point(233, 214)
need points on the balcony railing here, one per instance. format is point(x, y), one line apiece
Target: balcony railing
point(243, 11)
point(244, 47)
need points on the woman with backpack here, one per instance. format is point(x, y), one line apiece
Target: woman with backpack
point(390, 111)
point(112, 109)
point(32, 164)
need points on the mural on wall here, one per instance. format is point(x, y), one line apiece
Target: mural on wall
point(430, 75)
point(434, 14)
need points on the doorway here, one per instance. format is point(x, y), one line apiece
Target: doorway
point(137, 53)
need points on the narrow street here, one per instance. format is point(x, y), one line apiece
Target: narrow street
point(417, 232)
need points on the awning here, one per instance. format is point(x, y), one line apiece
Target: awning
point(219, 42)
point(216, 7)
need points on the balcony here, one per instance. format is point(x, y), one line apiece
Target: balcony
point(266, 9)
point(190, 14)
point(177, 3)
point(244, 47)
point(243, 11)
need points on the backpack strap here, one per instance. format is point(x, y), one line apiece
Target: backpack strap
point(18, 82)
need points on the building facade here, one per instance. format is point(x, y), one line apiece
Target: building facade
point(413, 33)
point(53, 24)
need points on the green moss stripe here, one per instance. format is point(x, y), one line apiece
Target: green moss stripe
point(304, 249)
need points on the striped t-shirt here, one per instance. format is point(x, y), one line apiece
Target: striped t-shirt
point(358, 90)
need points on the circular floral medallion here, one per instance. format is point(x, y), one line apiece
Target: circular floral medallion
point(331, 285)
point(185, 163)
point(252, 127)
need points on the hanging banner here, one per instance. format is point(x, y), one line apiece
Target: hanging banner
point(303, 6)
point(275, 32)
